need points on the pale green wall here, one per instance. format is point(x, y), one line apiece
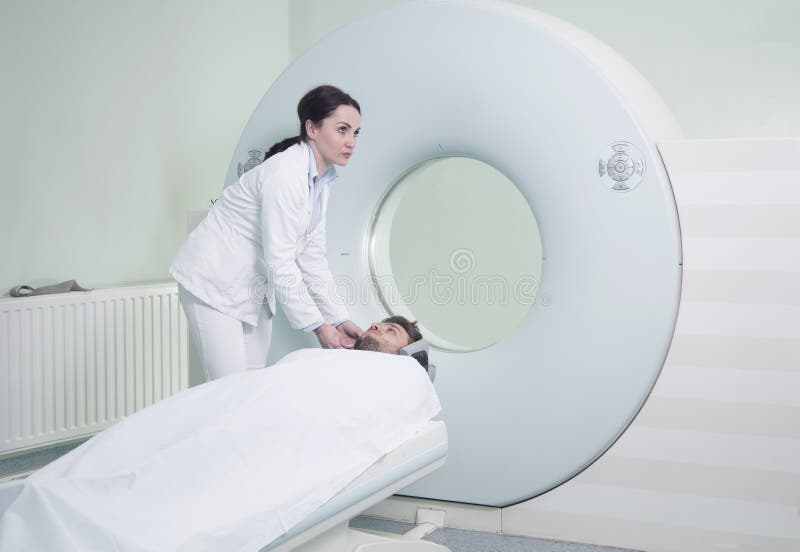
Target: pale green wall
point(726, 68)
point(117, 117)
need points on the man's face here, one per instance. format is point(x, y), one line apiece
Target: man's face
point(383, 337)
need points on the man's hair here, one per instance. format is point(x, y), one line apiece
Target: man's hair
point(410, 327)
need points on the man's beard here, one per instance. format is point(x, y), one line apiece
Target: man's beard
point(366, 342)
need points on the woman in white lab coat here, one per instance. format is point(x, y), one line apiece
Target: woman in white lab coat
point(265, 239)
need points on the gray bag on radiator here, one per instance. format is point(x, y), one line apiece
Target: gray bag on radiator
point(63, 287)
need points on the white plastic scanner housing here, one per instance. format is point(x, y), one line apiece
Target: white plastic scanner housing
point(544, 103)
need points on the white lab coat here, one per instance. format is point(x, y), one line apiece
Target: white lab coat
point(254, 245)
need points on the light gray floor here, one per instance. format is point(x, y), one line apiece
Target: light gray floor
point(458, 540)
point(30, 461)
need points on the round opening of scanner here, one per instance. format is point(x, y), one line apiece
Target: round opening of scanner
point(439, 252)
point(549, 397)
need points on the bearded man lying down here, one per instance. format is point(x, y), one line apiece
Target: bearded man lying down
point(231, 464)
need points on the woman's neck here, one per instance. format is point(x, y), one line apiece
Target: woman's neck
point(322, 167)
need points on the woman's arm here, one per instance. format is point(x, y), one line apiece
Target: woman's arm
point(282, 219)
point(317, 276)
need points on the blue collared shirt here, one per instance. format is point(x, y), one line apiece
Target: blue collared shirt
point(316, 185)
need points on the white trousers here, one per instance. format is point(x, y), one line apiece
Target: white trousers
point(225, 345)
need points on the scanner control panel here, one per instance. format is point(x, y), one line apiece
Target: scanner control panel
point(621, 166)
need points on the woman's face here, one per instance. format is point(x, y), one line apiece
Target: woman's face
point(335, 138)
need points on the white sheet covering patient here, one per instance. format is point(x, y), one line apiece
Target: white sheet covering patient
point(228, 465)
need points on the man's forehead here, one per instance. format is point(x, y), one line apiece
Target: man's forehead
point(398, 326)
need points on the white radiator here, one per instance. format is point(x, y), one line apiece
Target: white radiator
point(72, 364)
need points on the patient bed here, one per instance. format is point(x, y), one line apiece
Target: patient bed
point(327, 528)
point(337, 431)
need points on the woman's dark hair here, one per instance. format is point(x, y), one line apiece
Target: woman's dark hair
point(317, 104)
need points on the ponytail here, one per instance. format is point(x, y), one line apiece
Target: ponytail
point(282, 145)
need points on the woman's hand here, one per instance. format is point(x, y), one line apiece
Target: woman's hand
point(348, 332)
point(328, 337)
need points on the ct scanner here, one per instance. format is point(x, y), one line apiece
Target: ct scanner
point(647, 397)
point(575, 128)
